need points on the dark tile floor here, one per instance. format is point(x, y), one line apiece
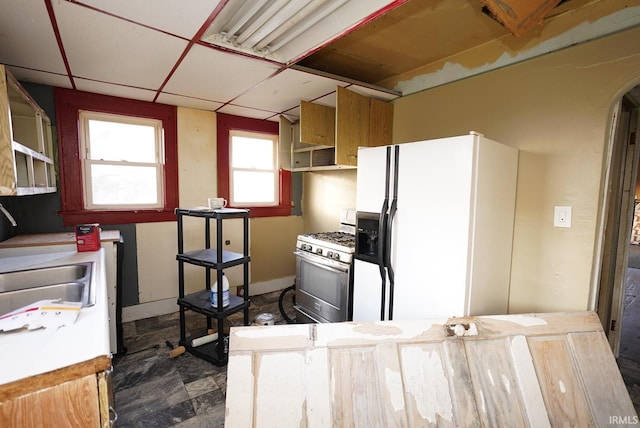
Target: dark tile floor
point(629, 355)
point(154, 390)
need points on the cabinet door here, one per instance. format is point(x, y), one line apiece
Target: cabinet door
point(7, 173)
point(352, 125)
point(69, 404)
point(285, 143)
point(380, 123)
point(107, 399)
point(317, 124)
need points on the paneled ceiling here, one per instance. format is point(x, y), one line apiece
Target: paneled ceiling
point(158, 51)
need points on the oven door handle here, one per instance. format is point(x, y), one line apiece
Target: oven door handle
point(322, 262)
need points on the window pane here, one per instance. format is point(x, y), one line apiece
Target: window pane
point(123, 185)
point(251, 186)
point(251, 153)
point(114, 141)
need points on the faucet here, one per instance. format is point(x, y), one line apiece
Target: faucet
point(8, 215)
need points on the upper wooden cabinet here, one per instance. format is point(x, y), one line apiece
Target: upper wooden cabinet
point(26, 142)
point(317, 124)
point(330, 137)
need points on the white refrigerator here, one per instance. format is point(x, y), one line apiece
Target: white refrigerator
point(434, 229)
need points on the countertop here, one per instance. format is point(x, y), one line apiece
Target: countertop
point(30, 353)
point(61, 238)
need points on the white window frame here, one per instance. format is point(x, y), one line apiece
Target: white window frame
point(274, 169)
point(87, 162)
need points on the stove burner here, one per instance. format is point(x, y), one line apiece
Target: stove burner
point(338, 238)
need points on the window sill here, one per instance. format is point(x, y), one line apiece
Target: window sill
point(71, 218)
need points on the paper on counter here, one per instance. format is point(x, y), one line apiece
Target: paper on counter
point(41, 314)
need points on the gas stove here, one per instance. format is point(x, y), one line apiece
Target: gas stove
point(338, 246)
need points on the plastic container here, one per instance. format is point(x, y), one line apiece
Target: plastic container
point(225, 292)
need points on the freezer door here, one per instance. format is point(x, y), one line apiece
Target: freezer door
point(367, 292)
point(371, 178)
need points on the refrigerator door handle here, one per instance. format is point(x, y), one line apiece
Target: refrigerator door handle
point(392, 214)
point(382, 235)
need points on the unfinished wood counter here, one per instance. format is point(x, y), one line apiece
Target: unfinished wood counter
point(513, 370)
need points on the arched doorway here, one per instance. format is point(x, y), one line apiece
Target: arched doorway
point(619, 206)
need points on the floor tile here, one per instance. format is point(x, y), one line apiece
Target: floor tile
point(154, 390)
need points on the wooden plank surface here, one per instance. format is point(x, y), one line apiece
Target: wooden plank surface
point(516, 370)
point(601, 378)
point(563, 395)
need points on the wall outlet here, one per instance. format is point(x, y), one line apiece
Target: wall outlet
point(562, 216)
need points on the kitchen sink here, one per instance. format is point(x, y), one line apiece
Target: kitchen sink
point(69, 283)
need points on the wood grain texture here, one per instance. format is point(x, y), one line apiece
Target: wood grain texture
point(352, 125)
point(606, 394)
point(534, 370)
point(7, 172)
point(31, 384)
point(380, 123)
point(563, 395)
point(70, 404)
point(317, 124)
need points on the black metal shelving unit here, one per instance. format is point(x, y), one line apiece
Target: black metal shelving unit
point(217, 260)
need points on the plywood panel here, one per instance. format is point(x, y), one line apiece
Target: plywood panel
point(352, 125)
point(380, 123)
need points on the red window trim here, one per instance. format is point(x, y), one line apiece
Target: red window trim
point(227, 123)
point(68, 103)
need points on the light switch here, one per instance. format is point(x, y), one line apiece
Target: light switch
point(562, 216)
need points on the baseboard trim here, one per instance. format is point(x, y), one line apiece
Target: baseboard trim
point(168, 306)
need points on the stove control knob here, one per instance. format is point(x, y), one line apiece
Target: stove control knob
point(330, 254)
point(336, 256)
point(319, 251)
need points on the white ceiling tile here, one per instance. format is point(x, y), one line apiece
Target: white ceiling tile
point(114, 90)
point(50, 79)
point(112, 50)
point(248, 112)
point(218, 76)
point(175, 17)
point(327, 100)
point(177, 100)
point(285, 90)
point(27, 38)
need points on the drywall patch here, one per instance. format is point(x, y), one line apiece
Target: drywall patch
point(450, 72)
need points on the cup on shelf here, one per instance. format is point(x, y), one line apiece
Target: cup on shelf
point(217, 203)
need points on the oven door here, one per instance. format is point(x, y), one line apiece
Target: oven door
point(322, 287)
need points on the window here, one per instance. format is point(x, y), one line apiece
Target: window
point(248, 170)
point(122, 161)
point(107, 176)
point(253, 169)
